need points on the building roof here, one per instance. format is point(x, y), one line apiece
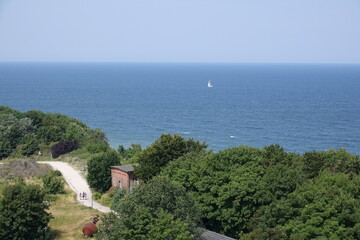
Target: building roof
point(209, 235)
point(125, 168)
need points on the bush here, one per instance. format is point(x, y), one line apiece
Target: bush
point(63, 148)
point(96, 195)
point(53, 182)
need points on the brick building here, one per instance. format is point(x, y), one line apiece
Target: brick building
point(123, 176)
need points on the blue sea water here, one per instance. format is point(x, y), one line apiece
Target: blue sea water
point(302, 107)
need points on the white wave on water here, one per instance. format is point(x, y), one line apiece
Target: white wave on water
point(185, 133)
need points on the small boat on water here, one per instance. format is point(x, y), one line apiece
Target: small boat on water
point(210, 84)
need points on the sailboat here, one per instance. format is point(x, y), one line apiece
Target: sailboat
point(210, 84)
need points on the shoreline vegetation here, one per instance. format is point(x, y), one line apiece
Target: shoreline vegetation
point(241, 192)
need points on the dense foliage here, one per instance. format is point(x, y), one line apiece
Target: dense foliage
point(53, 182)
point(23, 212)
point(326, 207)
point(129, 153)
point(158, 209)
point(63, 148)
point(165, 149)
point(34, 128)
point(99, 174)
point(271, 194)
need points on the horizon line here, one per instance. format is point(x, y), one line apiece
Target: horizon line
point(178, 62)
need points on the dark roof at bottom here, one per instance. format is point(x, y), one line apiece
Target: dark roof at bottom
point(209, 235)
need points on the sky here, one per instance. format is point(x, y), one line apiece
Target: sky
point(294, 31)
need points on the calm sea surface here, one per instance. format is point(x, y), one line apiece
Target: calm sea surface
point(301, 107)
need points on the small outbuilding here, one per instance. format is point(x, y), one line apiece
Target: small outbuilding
point(123, 177)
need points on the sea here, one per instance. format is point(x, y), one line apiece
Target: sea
point(302, 107)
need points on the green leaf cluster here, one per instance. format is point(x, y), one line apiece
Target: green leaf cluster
point(23, 212)
point(158, 209)
point(53, 182)
point(165, 149)
point(99, 175)
point(326, 207)
point(129, 153)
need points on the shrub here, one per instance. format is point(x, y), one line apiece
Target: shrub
point(64, 147)
point(53, 182)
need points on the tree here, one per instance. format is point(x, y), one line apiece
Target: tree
point(158, 209)
point(99, 174)
point(334, 161)
point(165, 149)
point(129, 153)
point(12, 130)
point(22, 212)
point(325, 207)
point(231, 185)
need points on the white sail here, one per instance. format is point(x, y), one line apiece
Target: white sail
point(210, 84)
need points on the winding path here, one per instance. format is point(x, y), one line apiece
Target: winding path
point(76, 183)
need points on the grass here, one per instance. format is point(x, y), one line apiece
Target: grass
point(69, 217)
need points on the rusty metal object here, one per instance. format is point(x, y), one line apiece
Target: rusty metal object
point(90, 229)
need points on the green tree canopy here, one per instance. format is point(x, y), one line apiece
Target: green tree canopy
point(130, 152)
point(231, 185)
point(334, 161)
point(165, 149)
point(326, 207)
point(158, 209)
point(23, 213)
point(99, 174)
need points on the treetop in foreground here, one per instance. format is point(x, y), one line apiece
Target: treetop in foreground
point(158, 209)
point(23, 213)
point(251, 193)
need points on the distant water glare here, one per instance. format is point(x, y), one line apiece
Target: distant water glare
point(301, 107)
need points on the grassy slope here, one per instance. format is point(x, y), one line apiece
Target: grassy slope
point(69, 217)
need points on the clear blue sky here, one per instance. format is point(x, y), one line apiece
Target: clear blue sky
point(180, 31)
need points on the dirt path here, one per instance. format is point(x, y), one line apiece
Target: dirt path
point(77, 184)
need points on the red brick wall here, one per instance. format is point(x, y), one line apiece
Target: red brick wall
point(117, 175)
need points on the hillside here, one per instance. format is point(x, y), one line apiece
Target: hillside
point(25, 134)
